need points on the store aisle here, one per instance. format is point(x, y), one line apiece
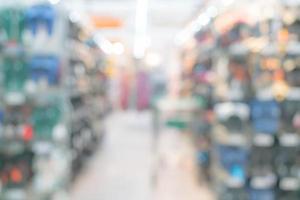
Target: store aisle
point(121, 169)
point(127, 168)
point(177, 177)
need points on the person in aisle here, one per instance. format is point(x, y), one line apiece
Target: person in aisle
point(125, 88)
point(143, 92)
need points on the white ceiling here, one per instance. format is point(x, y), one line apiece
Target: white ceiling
point(164, 16)
point(165, 19)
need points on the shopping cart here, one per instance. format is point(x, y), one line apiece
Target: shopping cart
point(179, 114)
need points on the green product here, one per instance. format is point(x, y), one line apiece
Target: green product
point(15, 74)
point(12, 22)
point(201, 101)
point(177, 123)
point(44, 119)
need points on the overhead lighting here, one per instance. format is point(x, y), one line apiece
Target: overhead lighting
point(153, 59)
point(228, 2)
point(54, 1)
point(212, 11)
point(141, 18)
point(105, 45)
point(118, 48)
point(184, 35)
point(74, 16)
point(202, 20)
point(109, 48)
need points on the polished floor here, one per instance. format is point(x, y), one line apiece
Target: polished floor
point(128, 167)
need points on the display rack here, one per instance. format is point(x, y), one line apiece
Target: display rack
point(254, 147)
point(50, 92)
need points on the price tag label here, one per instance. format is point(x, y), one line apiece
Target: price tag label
point(263, 182)
point(263, 140)
point(265, 94)
point(289, 140)
point(15, 194)
point(42, 147)
point(289, 184)
point(294, 94)
point(15, 98)
point(237, 139)
point(235, 183)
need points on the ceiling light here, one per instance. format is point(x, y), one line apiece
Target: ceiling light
point(54, 1)
point(118, 48)
point(153, 59)
point(141, 18)
point(74, 16)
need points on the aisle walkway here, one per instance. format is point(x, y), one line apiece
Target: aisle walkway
point(123, 169)
point(120, 170)
point(177, 177)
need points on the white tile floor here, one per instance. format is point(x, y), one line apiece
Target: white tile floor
point(124, 168)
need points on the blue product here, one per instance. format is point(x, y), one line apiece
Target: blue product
point(203, 158)
point(46, 67)
point(262, 194)
point(199, 68)
point(265, 116)
point(238, 172)
point(234, 160)
point(40, 15)
point(234, 194)
point(1, 116)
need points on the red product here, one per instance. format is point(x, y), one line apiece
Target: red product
point(27, 133)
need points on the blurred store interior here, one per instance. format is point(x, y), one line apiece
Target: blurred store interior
point(149, 100)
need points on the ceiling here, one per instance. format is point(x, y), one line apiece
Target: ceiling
point(165, 19)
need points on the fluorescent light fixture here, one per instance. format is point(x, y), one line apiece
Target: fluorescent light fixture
point(202, 20)
point(227, 2)
point(107, 47)
point(104, 44)
point(192, 28)
point(153, 59)
point(118, 48)
point(141, 18)
point(212, 11)
point(54, 1)
point(74, 16)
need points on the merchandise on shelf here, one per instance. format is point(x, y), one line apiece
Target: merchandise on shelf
point(254, 62)
point(40, 15)
point(45, 68)
point(12, 23)
point(49, 116)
